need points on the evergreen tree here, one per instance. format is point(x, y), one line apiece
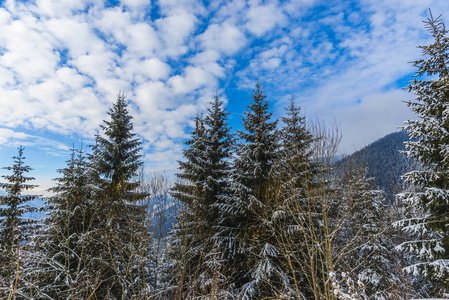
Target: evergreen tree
point(118, 153)
point(122, 237)
point(244, 232)
point(296, 138)
point(14, 227)
point(295, 166)
point(204, 175)
point(429, 145)
point(368, 253)
point(186, 249)
point(294, 179)
point(60, 266)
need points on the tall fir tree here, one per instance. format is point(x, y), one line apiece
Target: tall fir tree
point(118, 152)
point(14, 226)
point(244, 233)
point(429, 145)
point(60, 266)
point(123, 238)
point(186, 251)
point(204, 182)
point(294, 179)
point(295, 167)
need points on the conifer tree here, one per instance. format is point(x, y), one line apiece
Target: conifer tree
point(368, 253)
point(14, 227)
point(123, 239)
point(295, 165)
point(204, 175)
point(244, 231)
point(186, 250)
point(429, 145)
point(296, 138)
point(118, 152)
point(293, 180)
point(60, 266)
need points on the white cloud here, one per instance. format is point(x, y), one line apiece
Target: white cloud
point(223, 37)
point(168, 7)
point(195, 78)
point(151, 68)
point(8, 137)
point(27, 50)
point(6, 77)
point(138, 38)
point(58, 8)
point(174, 31)
point(13, 138)
point(262, 18)
point(75, 36)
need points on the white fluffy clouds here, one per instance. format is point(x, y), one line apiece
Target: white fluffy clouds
point(262, 18)
point(343, 61)
point(62, 62)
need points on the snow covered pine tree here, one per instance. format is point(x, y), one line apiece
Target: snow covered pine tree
point(429, 145)
point(14, 228)
point(204, 175)
point(61, 265)
point(123, 241)
point(244, 232)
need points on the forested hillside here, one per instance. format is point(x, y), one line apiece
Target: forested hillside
point(385, 163)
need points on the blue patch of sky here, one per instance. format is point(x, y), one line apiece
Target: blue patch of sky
point(400, 83)
point(101, 35)
point(111, 3)
point(154, 13)
point(354, 19)
point(237, 102)
point(63, 57)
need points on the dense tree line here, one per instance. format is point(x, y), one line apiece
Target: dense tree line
point(264, 213)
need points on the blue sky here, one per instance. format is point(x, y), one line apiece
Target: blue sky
point(62, 63)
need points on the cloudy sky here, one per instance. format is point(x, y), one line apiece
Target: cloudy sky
point(62, 63)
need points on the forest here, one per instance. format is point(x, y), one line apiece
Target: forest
point(262, 213)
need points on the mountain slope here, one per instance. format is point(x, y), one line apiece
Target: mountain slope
point(384, 162)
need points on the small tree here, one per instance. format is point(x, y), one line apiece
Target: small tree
point(429, 145)
point(14, 227)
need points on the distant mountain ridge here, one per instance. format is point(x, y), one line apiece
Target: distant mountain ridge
point(385, 163)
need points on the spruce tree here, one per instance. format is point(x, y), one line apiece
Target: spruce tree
point(368, 252)
point(14, 226)
point(295, 167)
point(186, 250)
point(294, 179)
point(244, 232)
point(429, 145)
point(295, 137)
point(123, 239)
point(60, 266)
point(118, 152)
point(204, 182)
